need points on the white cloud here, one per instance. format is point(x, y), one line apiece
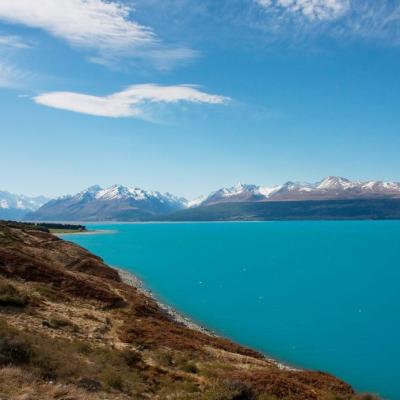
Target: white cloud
point(129, 102)
point(86, 23)
point(102, 26)
point(11, 76)
point(13, 41)
point(312, 9)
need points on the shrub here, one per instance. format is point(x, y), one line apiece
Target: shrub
point(81, 347)
point(14, 351)
point(10, 296)
point(114, 380)
point(163, 358)
point(89, 385)
point(229, 390)
point(189, 366)
point(132, 358)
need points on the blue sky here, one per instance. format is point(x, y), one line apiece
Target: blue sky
point(187, 96)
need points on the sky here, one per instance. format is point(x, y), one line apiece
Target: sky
point(187, 97)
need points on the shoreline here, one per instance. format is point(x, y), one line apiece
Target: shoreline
point(132, 280)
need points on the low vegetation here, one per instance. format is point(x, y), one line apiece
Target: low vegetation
point(10, 296)
point(47, 226)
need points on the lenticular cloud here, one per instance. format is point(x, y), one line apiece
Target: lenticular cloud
point(127, 103)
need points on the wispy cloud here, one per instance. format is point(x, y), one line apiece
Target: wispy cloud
point(86, 23)
point(342, 19)
point(105, 27)
point(130, 102)
point(312, 9)
point(12, 77)
point(13, 41)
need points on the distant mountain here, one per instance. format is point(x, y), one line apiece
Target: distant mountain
point(121, 203)
point(330, 188)
point(343, 209)
point(116, 203)
point(15, 206)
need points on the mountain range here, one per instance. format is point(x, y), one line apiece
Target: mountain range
point(330, 188)
point(118, 203)
point(15, 206)
point(121, 203)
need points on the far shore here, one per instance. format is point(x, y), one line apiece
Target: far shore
point(88, 232)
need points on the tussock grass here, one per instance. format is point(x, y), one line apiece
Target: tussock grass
point(11, 296)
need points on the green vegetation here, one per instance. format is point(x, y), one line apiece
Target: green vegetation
point(47, 227)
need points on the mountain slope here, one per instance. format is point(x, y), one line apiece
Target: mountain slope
point(114, 203)
point(120, 203)
point(352, 209)
point(14, 206)
point(330, 188)
point(71, 329)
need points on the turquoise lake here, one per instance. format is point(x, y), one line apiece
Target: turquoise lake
point(321, 295)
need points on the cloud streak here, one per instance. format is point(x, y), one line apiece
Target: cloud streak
point(13, 42)
point(85, 23)
point(104, 27)
point(130, 102)
point(311, 9)
point(12, 77)
point(340, 19)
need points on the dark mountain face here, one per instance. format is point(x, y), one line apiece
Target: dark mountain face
point(115, 203)
point(354, 209)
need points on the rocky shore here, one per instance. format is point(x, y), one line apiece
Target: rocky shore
point(132, 280)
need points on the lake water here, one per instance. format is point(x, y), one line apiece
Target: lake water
point(321, 295)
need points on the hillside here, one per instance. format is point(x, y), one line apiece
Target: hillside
point(360, 209)
point(71, 329)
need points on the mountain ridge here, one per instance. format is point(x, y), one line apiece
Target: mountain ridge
point(330, 188)
point(116, 202)
point(124, 203)
point(18, 205)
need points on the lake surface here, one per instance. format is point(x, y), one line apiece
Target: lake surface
point(321, 295)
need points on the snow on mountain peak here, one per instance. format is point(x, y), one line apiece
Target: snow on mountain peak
point(120, 192)
point(331, 187)
point(21, 202)
point(334, 182)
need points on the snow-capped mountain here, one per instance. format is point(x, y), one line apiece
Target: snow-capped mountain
point(15, 206)
point(330, 188)
point(122, 203)
point(114, 203)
